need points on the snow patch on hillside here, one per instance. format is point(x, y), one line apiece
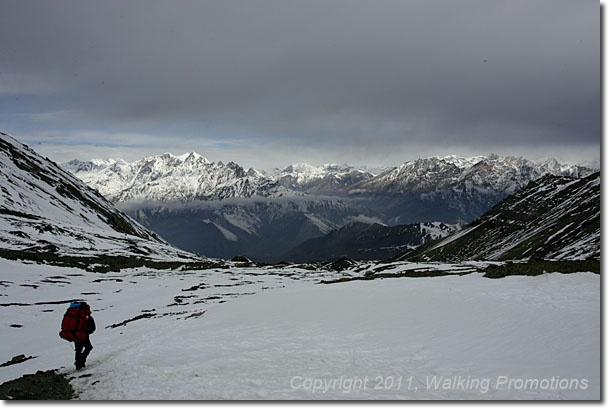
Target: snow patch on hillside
point(224, 231)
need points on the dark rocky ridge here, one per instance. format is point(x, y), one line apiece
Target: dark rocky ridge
point(552, 218)
point(363, 241)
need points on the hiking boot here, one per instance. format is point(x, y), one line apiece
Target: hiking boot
point(80, 363)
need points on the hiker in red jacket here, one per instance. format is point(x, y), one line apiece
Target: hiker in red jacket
point(77, 325)
point(84, 347)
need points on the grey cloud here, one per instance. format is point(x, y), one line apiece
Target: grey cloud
point(326, 72)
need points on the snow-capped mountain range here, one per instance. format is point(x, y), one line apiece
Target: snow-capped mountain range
point(222, 210)
point(191, 176)
point(503, 175)
point(173, 178)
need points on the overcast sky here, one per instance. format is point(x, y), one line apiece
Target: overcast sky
point(269, 82)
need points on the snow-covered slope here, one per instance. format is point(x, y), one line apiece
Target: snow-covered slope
point(269, 333)
point(553, 217)
point(48, 214)
point(173, 178)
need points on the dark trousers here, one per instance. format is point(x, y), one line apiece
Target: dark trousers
point(82, 351)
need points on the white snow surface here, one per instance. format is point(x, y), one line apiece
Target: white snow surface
point(270, 333)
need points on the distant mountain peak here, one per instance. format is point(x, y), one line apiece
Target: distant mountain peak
point(191, 156)
point(169, 177)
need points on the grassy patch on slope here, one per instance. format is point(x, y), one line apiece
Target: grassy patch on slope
point(535, 267)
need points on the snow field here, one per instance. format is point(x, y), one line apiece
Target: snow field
point(276, 337)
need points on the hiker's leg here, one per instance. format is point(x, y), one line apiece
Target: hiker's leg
point(78, 356)
point(87, 346)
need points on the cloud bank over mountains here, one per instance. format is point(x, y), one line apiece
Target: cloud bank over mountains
point(336, 81)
